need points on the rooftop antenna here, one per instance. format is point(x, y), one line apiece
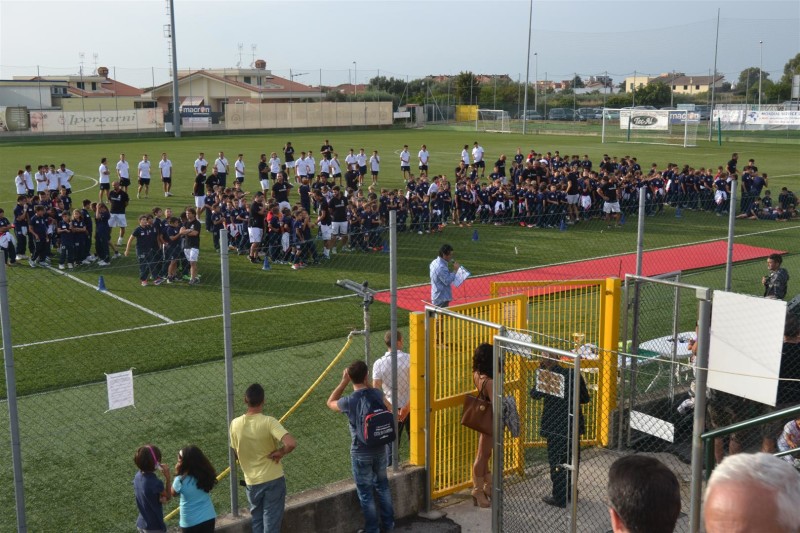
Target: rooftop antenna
point(239, 46)
point(95, 55)
point(253, 51)
point(82, 56)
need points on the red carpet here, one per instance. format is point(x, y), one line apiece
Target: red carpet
point(654, 263)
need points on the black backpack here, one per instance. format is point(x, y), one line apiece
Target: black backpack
point(374, 423)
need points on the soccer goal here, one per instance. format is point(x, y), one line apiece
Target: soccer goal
point(650, 126)
point(493, 120)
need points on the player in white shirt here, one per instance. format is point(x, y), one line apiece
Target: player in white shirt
point(165, 166)
point(375, 166)
point(465, 155)
point(311, 166)
point(144, 177)
point(405, 162)
point(300, 168)
point(325, 168)
point(222, 166)
point(350, 161)
point(65, 177)
point(238, 167)
point(336, 169)
point(199, 163)
point(423, 157)
point(477, 158)
point(274, 165)
point(29, 180)
point(19, 182)
point(104, 180)
point(41, 178)
point(361, 161)
point(52, 181)
point(123, 169)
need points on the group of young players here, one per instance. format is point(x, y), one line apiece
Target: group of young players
point(341, 205)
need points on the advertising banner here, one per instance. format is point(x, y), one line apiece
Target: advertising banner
point(773, 118)
point(643, 119)
point(96, 121)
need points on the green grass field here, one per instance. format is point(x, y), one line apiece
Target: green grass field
point(287, 325)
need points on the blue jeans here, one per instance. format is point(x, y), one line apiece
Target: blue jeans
point(369, 473)
point(266, 505)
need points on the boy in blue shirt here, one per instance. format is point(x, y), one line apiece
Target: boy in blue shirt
point(146, 249)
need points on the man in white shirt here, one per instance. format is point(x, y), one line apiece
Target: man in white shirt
point(300, 168)
point(465, 155)
point(423, 156)
point(238, 167)
point(382, 379)
point(477, 158)
point(65, 177)
point(52, 181)
point(200, 162)
point(221, 164)
point(19, 182)
point(41, 178)
point(104, 180)
point(361, 161)
point(311, 166)
point(123, 169)
point(375, 166)
point(165, 166)
point(144, 177)
point(405, 162)
point(351, 161)
point(29, 180)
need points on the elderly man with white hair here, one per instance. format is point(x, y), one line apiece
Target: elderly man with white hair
point(756, 493)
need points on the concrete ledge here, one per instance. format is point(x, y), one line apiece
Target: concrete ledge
point(334, 508)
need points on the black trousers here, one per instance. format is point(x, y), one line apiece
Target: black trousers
point(559, 453)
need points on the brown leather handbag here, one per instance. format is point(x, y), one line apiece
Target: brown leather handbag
point(477, 413)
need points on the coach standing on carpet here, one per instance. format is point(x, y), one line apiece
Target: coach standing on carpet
point(442, 277)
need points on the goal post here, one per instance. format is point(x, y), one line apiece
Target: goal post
point(493, 120)
point(650, 126)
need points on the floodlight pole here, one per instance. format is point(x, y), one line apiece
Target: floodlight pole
point(527, 71)
point(176, 116)
point(760, 69)
point(713, 82)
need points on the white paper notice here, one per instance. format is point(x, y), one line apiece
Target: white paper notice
point(461, 275)
point(120, 389)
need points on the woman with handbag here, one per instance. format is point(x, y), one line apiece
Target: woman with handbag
point(482, 373)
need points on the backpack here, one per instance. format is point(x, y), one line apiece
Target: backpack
point(374, 424)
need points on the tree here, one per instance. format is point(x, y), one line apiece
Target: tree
point(467, 88)
point(791, 68)
point(393, 86)
point(577, 82)
point(619, 100)
point(746, 78)
point(655, 94)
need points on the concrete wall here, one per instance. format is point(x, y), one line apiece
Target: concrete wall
point(335, 508)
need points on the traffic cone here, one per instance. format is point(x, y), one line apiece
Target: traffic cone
point(475, 235)
point(385, 249)
point(266, 266)
point(101, 284)
point(678, 213)
point(622, 219)
point(562, 226)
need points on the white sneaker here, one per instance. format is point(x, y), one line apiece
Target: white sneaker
point(20, 257)
point(333, 251)
point(61, 267)
point(70, 266)
point(117, 255)
point(102, 263)
point(166, 194)
point(92, 258)
point(120, 242)
point(86, 262)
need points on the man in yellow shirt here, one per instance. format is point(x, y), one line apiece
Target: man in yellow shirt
point(260, 442)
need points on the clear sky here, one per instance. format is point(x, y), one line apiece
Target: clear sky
point(335, 40)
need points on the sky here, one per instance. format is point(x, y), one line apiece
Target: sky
point(340, 41)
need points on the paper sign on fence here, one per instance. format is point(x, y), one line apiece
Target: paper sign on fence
point(120, 389)
point(461, 275)
point(551, 383)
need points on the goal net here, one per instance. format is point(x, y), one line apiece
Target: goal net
point(650, 126)
point(493, 120)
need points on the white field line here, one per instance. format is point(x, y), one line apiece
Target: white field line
point(175, 322)
point(785, 176)
point(92, 186)
point(112, 295)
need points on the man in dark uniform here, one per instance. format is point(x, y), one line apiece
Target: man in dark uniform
point(556, 422)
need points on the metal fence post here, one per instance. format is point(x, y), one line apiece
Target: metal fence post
point(11, 392)
point(228, 344)
point(575, 442)
point(731, 229)
point(497, 432)
point(703, 330)
point(393, 326)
